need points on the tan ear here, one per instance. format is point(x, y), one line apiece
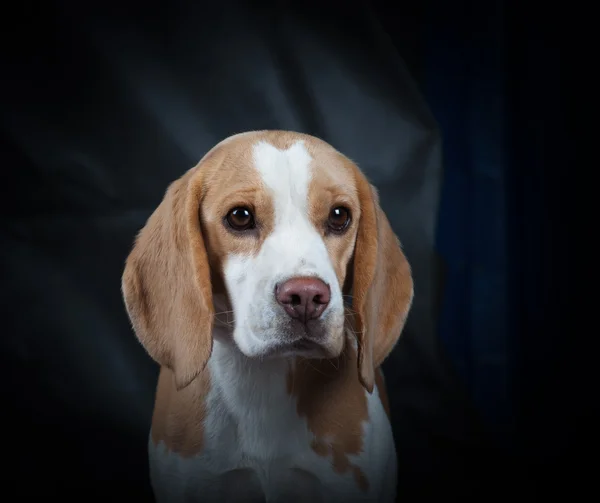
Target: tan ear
point(382, 288)
point(166, 283)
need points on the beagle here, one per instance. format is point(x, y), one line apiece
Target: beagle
point(269, 286)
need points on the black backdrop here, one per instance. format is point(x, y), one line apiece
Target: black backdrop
point(104, 105)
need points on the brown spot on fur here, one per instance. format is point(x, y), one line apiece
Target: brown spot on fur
point(321, 448)
point(361, 480)
point(178, 419)
point(329, 395)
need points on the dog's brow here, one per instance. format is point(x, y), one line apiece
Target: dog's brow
point(240, 190)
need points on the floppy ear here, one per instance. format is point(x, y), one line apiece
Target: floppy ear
point(382, 288)
point(166, 283)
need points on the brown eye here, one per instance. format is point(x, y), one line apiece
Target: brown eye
point(339, 219)
point(240, 219)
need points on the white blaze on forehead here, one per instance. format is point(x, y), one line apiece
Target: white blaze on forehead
point(287, 173)
point(295, 247)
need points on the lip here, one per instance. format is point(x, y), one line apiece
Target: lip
point(302, 347)
point(306, 345)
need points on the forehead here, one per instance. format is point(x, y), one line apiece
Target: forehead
point(280, 161)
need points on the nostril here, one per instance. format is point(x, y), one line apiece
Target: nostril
point(295, 300)
point(318, 299)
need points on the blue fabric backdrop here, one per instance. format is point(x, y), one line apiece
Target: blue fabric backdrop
point(465, 88)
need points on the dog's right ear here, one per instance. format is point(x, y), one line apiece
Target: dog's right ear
point(166, 283)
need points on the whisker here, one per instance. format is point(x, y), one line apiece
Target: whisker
point(223, 318)
point(224, 323)
point(355, 332)
point(293, 369)
point(315, 368)
point(307, 364)
point(336, 422)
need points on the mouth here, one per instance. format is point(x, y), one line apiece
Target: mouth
point(306, 345)
point(302, 347)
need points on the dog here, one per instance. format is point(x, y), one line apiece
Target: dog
point(269, 287)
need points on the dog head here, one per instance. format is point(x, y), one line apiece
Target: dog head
point(280, 229)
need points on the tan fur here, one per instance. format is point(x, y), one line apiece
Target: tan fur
point(176, 266)
point(178, 418)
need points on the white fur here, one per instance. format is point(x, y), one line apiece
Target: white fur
point(256, 447)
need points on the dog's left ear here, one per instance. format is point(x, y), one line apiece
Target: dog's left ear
point(382, 288)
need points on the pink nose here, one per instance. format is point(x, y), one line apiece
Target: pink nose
point(303, 299)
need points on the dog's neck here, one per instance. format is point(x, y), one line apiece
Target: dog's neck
point(251, 391)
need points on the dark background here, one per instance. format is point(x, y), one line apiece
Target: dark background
point(458, 111)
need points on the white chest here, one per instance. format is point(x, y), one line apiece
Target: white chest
point(257, 448)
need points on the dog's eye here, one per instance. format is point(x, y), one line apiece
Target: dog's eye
point(339, 219)
point(240, 219)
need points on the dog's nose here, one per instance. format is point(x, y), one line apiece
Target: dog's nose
point(303, 299)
